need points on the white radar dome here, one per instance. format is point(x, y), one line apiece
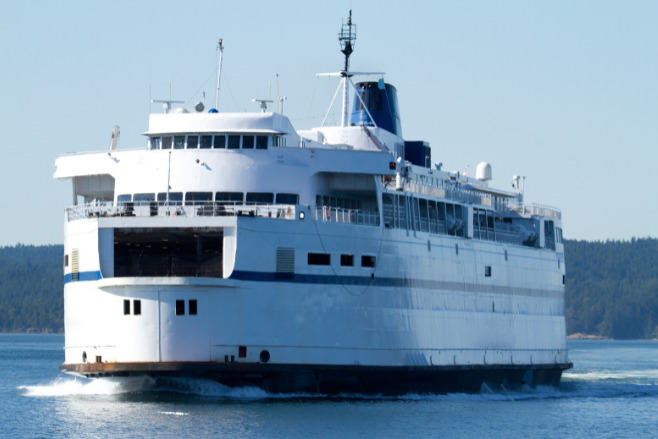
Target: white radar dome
point(483, 171)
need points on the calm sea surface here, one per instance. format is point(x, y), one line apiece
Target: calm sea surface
point(612, 391)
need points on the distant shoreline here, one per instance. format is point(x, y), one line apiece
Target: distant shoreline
point(582, 336)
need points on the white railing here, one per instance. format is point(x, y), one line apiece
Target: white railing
point(534, 209)
point(198, 209)
point(351, 216)
point(453, 192)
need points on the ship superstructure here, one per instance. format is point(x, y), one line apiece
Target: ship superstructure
point(331, 260)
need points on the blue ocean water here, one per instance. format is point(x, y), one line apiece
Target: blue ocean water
point(612, 392)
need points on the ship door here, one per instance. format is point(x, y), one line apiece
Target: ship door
point(183, 325)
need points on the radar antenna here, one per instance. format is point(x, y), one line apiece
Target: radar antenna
point(347, 38)
point(166, 104)
point(263, 103)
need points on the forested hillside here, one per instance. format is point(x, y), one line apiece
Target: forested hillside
point(31, 284)
point(612, 288)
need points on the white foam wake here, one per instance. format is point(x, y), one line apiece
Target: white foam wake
point(99, 386)
point(646, 376)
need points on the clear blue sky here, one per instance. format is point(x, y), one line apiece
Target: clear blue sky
point(562, 92)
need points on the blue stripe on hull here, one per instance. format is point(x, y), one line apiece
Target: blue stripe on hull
point(83, 276)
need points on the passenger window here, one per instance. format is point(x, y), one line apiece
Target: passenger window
point(192, 307)
point(126, 307)
point(347, 260)
point(367, 261)
point(287, 199)
point(174, 198)
point(192, 198)
point(234, 142)
point(180, 307)
point(220, 141)
point(261, 142)
point(229, 197)
point(144, 197)
point(192, 142)
point(247, 142)
point(206, 142)
point(137, 307)
point(319, 259)
point(260, 198)
point(124, 198)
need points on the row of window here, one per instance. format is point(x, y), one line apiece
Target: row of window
point(338, 202)
point(346, 260)
point(412, 213)
point(215, 141)
point(192, 198)
point(180, 307)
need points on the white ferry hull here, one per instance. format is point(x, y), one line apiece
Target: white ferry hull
point(425, 319)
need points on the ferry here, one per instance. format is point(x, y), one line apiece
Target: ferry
point(335, 260)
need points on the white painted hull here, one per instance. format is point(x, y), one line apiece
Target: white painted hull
point(427, 305)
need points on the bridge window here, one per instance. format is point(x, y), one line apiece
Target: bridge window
point(166, 143)
point(206, 142)
point(220, 141)
point(247, 142)
point(155, 143)
point(192, 142)
point(261, 142)
point(233, 142)
point(179, 142)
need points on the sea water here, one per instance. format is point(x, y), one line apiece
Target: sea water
point(611, 392)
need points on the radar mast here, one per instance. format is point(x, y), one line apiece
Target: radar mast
point(347, 38)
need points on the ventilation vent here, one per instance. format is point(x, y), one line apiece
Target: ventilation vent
point(285, 263)
point(75, 265)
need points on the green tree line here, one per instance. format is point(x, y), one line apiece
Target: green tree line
point(31, 285)
point(611, 290)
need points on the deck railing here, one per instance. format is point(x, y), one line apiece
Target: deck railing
point(339, 215)
point(468, 196)
point(205, 209)
point(198, 209)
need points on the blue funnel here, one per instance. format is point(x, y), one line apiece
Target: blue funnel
point(381, 100)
